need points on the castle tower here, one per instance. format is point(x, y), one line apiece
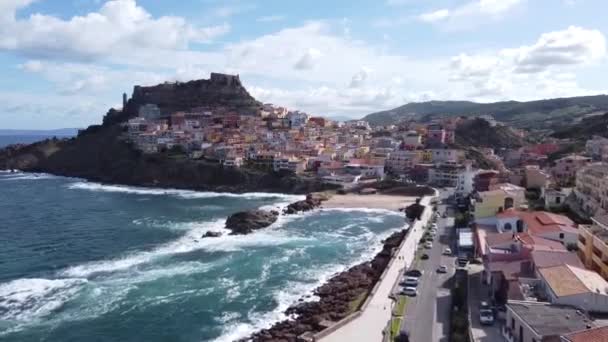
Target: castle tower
point(124, 101)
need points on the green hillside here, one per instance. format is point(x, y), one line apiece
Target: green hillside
point(552, 113)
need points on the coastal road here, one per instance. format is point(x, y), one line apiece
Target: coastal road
point(369, 325)
point(427, 315)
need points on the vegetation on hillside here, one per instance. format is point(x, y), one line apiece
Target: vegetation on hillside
point(551, 113)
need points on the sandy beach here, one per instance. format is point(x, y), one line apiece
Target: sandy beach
point(375, 201)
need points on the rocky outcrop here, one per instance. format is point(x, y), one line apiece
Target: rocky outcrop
point(245, 222)
point(311, 202)
point(414, 211)
point(102, 156)
point(335, 297)
point(220, 90)
point(211, 234)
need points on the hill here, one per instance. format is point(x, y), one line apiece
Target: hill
point(479, 133)
point(551, 113)
point(585, 129)
point(100, 153)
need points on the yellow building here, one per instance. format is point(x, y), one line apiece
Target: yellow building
point(427, 156)
point(593, 245)
point(502, 196)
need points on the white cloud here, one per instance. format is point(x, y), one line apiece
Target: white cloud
point(574, 45)
point(435, 16)
point(544, 69)
point(360, 77)
point(470, 14)
point(230, 10)
point(308, 59)
point(119, 26)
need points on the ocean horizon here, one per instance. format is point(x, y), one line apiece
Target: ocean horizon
point(83, 260)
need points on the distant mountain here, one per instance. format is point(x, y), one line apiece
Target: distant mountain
point(552, 113)
point(61, 132)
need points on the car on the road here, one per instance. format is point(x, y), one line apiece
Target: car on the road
point(434, 226)
point(409, 291)
point(486, 317)
point(410, 281)
point(447, 251)
point(428, 245)
point(442, 269)
point(424, 256)
point(414, 273)
point(462, 262)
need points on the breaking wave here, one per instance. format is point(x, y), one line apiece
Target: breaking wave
point(185, 194)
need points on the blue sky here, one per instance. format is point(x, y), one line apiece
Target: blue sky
point(64, 63)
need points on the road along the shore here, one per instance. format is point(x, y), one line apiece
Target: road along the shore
point(367, 325)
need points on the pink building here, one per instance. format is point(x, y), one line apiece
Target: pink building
point(564, 171)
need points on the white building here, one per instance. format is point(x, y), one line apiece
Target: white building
point(441, 155)
point(597, 148)
point(400, 162)
point(452, 175)
point(591, 189)
point(297, 119)
point(578, 287)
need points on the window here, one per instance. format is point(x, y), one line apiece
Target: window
point(558, 200)
point(512, 323)
point(508, 226)
point(561, 235)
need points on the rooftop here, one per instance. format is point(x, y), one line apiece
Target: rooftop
point(544, 258)
point(550, 320)
point(588, 335)
point(566, 280)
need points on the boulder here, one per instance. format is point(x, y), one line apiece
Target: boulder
point(311, 202)
point(246, 222)
point(211, 234)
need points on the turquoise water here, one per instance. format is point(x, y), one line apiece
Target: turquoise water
point(83, 261)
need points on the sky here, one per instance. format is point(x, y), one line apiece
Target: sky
point(65, 63)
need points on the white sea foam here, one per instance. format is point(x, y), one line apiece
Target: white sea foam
point(189, 242)
point(295, 290)
point(31, 298)
point(26, 176)
point(186, 194)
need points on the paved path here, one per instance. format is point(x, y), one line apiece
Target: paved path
point(428, 315)
point(477, 293)
point(369, 326)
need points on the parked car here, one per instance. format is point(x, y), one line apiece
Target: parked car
point(428, 245)
point(447, 251)
point(442, 269)
point(414, 273)
point(424, 256)
point(486, 317)
point(462, 262)
point(410, 291)
point(410, 281)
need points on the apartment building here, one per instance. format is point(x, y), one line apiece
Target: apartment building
point(564, 170)
point(591, 189)
point(597, 148)
point(498, 198)
point(400, 162)
point(593, 245)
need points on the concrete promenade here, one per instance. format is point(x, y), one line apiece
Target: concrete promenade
point(369, 325)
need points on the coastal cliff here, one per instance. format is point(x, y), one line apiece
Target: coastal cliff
point(101, 153)
point(103, 156)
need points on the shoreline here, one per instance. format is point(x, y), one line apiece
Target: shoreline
point(375, 201)
point(340, 296)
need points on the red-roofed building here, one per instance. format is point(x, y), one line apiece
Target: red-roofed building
point(599, 334)
point(550, 226)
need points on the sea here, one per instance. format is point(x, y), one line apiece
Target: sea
point(83, 261)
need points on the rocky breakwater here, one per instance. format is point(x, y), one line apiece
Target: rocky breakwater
point(336, 298)
point(311, 202)
point(245, 222)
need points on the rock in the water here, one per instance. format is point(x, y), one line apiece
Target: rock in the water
point(246, 222)
point(311, 202)
point(212, 234)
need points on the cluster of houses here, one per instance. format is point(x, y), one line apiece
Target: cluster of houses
point(277, 139)
point(550, 272)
